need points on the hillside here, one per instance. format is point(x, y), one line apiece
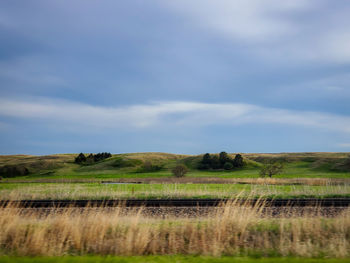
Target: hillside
point(131, 165)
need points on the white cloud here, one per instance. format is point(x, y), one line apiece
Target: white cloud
point(167, 114)
point(240, 19)
point(284, 31)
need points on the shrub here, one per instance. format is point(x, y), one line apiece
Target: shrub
point(179, 170)
point(238, 161)
point(224, 158)
point(92, 158)
point(215, 162)
point(205, 163)
point(228, 166)
point(203, 166)
point(218, 162)
point(13, 171)
point(80, 158)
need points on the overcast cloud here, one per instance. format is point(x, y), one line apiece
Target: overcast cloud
point(175, 76)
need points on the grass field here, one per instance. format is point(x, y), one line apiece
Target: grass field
point(17, 191)
point(305, 175)
point(123, 166)
point(232, 234)
point(165, 259)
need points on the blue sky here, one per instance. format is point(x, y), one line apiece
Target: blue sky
point(174, 76)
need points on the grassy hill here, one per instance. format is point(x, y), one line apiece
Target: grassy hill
point(60, 166)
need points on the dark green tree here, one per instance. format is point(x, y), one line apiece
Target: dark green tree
point(215, 162)
point(238, 161)
point(206, 159)
point(205, 163)
point(13, 171)
point(80, 158)
point(224, 158)
point(228, 166)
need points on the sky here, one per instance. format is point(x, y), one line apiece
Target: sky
point(174, 76)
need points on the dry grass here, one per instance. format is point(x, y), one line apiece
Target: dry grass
point(233, 230)
point(195, 180)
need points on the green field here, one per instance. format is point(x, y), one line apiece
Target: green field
point(58, 177)
point(127, 166)
point(164, 191)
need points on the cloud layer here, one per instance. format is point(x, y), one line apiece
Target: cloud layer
point(275, 29)
point(180, 114)
point(201, 75)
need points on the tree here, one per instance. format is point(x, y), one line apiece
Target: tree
point(179, 170)
point(80, 158)
point(271, 169)
point(228, 166)
point(215, 162)
point(206, 159)
point(238, 161)
point(205, 163)
point(90, 159)
point(13, 171)
point(224, 158)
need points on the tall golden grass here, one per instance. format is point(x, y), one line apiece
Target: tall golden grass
point(231, 230)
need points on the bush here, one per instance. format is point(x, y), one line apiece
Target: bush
point(203, 166)
point(228, 166)
point(219, 162)
point(215, 162)
point(8, 171)
point(224, 158)
point(92, 158)
point(80, 158)
point(179, 170)
point(238, 161)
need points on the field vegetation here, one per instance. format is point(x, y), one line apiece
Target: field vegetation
point(27, 191)
point(159, 165)
point(167, 259)
point(119, 234)
point(150, 175)
point(232, 230)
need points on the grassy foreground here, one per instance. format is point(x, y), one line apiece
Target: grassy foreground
point(163, 259)
point(233, 230)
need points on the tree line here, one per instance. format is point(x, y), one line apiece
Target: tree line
point(91, 158)
point(223, 161)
